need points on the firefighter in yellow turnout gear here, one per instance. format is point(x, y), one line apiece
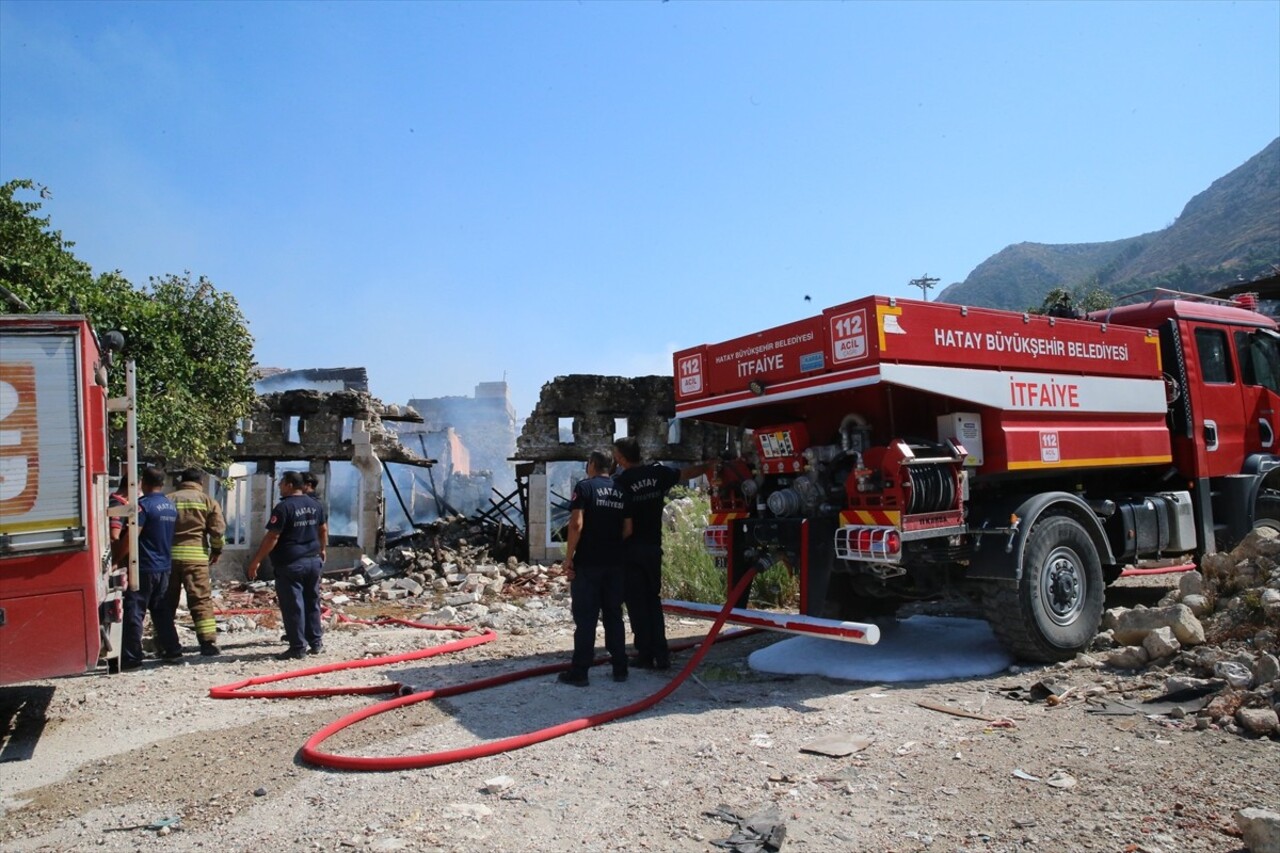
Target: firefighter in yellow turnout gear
point(197, 544)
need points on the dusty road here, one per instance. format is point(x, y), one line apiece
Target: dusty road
point(147, 761)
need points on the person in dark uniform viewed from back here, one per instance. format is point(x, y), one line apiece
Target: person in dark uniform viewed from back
point(156, 519)
point(593, 564)
point(644, 490)
point(309, 483)
point(297, 537)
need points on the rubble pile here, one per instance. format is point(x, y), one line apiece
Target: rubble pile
point(444, 574)
point(448, 568)
point(1215, 641)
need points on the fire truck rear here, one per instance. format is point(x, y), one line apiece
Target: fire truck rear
point(892, 450)
point(60, 597)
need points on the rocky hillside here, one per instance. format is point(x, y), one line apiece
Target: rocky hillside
point(1230, 230)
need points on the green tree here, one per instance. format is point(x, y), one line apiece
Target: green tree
point(193, 349)
point(1075, 302)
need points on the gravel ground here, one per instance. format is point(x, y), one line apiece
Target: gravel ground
point(147, 761)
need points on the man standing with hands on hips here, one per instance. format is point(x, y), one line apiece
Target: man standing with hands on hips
point(297, 536)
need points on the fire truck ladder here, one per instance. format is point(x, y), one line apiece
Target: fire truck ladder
point(113, 632)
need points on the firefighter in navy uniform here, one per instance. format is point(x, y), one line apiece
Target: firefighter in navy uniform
point(297, 537)
point(156, 518)
point(644, 489)
point(593, 564)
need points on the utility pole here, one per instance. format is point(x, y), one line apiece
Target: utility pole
point(925, 283)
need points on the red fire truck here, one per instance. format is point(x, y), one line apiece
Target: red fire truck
point(891, 450)
point(60, 598)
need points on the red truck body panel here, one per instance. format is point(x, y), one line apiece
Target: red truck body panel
point(50, 593)
point(1050, 392)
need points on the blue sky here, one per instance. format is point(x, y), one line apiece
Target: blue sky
point(450, 193)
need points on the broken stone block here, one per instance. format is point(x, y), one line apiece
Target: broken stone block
point(1266, 670)
point(498, 784)
point(1127, 657)
point(1176, 683)
point(439, 584)
point(1161, 643)
point(495, 586)
point(392, 594)
point(1271, 603)
point(1218, 565)
point(1198, 603)
point(1191, 583)
point(1131, 626)
point(472, 612)
point(410, 586)
point(458, 599)
point(475, 811)
point(1258, 721)
point(1104, 641)
point(1261, 830)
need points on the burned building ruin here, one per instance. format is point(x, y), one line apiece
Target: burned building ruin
point(375, 462)
point(341, 437)
point(580, 413)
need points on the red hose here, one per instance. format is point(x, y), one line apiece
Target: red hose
point(236, 690)
point(1163, 570)
point(312, 753)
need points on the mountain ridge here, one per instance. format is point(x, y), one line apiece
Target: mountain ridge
point(1228, 232)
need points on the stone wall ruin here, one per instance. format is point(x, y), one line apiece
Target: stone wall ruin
point(340, 437)
point(579, 413)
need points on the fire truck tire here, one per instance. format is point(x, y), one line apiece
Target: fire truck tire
point(1267, 514)
point(1054, 611)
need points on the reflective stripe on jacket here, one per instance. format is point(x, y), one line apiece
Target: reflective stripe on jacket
point(200, 526)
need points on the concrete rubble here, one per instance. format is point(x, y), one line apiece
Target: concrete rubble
point(1215, 636)
point(442, 575)
point(1260, 829)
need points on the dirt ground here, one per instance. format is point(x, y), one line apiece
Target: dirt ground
point(147, 761)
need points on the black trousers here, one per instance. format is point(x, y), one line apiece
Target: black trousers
point(643, 593)
point(298, 591)
point(597, 594)
point(149, 597)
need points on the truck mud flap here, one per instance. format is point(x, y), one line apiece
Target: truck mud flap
point(997, 555)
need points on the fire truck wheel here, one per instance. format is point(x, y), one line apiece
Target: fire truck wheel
point(1267, 515)
point(1055, 610)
